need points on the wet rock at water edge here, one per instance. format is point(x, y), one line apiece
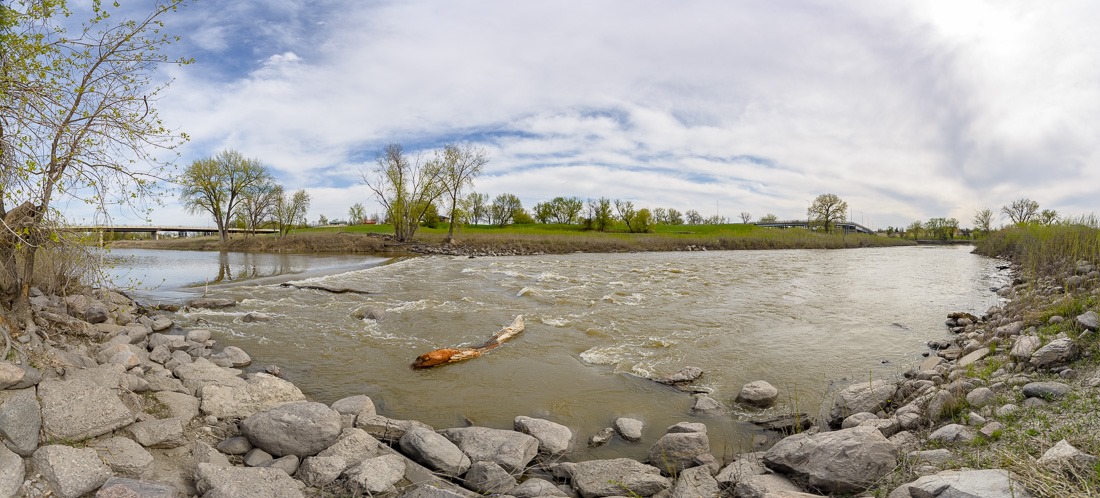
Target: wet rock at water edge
point(629, 429)
point(786, 424)
point(844, 461)
point(759, 394)
point(601, 438)
point(596, 478)
point(300, 428)
point(554, 438)
point(211, 303)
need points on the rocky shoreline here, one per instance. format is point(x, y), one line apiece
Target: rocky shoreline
point(104, 397)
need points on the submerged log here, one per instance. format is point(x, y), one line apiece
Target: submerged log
point(455, 355)
point(334, 290)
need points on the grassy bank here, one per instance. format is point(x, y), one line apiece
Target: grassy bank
point(1044, 250)
point(528, 239)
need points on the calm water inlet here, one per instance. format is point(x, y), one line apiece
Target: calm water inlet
point(804, 320)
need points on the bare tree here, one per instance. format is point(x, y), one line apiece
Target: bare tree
point(826, 211)
point(406, 188)
point(1048, 217)
point(257, 207)
point(77, 118)
point(983, 220)
point(291, 209)
point(219, 184)
point(626, 213)
point(745, 217)
point(1022, 211)
point(461, 164)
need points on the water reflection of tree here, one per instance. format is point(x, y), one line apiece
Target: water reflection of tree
point(252, 265)
point(223, 268)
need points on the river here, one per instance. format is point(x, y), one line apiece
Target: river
point(807, 321)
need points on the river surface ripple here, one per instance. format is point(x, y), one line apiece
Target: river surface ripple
point(807, 321)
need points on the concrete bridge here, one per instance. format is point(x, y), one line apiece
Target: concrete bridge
point(846, 226)
point(156, 229)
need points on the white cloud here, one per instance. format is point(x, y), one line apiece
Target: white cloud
point(908, 111)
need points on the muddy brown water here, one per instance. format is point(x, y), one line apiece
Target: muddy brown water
point(807, 321)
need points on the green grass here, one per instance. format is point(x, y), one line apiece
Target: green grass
point(1045, 250)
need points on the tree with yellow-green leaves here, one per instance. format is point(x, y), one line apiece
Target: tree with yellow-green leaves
point(220, 185)
point(78, 120)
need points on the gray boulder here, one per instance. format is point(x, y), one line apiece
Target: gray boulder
point(231, 357)
point(121, 487)
point(844, 461)
point(758, 394)
point(12, 472)
point(71, 472)
point(1064, 453)
point(213, 481)
point(20, 420)
point(618, 477)
point(179, 405)
point(601, 438)
point(257, 458)
point(301, 428)
point(198, 335)
point(861, 397)
point(1046, 390)
point(125, 457)
point(695, 482)
point(10, 374)
point(534, 487)
point(702, 403)
point(1057, 352)
point(952, 433)
point(677, 451)
point(200, 374)
point(511, 450)
point(554, 438)
point(204, 453)
point(235, 445)
point(1025, 346)
point(746, 464)
point(355, 405)
point(629, 429)
point(387, 429)
point(260, 392)
point(354, 446)
point(288, 464)
point(211, 303)
point(769, 486)
point(74, 410)
point(368, 313)
point(160, 323)
point(489, 478)
point(1088, 320)
point(992, 483)
point(158, 433)
point(320, 471)
point(376, 475)
point(856, 419)
point(435, 452)
point(980, 397)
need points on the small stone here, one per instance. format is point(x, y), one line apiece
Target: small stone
point(601, 438)
point(759, 394)
point(257, 458)
point(236, 445)
point(952, 433)
point(980, 397)
point(705, 404)
point(629, 429)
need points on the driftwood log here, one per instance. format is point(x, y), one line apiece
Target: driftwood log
point(334, 290)
point(455, 355)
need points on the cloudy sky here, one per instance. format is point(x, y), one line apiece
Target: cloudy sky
point(907, 110)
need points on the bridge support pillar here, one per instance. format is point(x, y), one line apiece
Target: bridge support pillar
point(156, 235)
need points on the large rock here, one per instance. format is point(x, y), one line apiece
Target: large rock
point(1057, 352)
point(355, 405)
point(212, 303)
point(74, 410)
point(759, 394)
point(179, 405)
point(320, 471)
point(618, 477)
point(258, 393)
point(231, 357)
point(435, 452)
point(1046, 390)
point(844, 461)
point(201, 374)
point(71, 472)
point(1088, 320)
point(213, 481)
point(554, 438)
point(769, 486)
point(535, 487)
point(376, 475)
point(12, 472)
point(746, 465)
point(10, 374)
point(125, 457)
point(121, 487)
point(511, 450)
point(20, 420)
point(862, 397)
point(952, 433)
point(992, 483)
point(158, 433)
point(695, 482)
point(354, 446)
point(629, 429)
point(489, 478)
point(1064, 453)
point(677, 451)
point(1025, 346)
point(387, 429)
point(301, 428)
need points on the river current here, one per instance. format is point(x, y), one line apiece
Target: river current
point(806, 321)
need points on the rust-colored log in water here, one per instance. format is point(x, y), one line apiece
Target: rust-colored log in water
point(454, 355)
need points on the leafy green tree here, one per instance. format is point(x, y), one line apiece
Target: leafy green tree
point(475, 206)
point(598, 216)
point(77, 120)
point(674, 217)
point(1022, 211)
point(544, 212)
point(915, 229)
point(626, 213)
point(405, 188)
point(1048, 217)
point(356, 213)
point(322, 220)
point(643, 221)
point(826, 211)
point(459, 165)
point(504, 209)
point(522, 217)
point(660, 216)
point(768, 218)
point(983, 221)
point(431, 217)
point(290, 211)
point(566, 209)
point(217, 185)
point(693, 217)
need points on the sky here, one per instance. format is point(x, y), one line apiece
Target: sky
point(906, 110)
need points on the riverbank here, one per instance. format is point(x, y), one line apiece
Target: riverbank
point(523, 240)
